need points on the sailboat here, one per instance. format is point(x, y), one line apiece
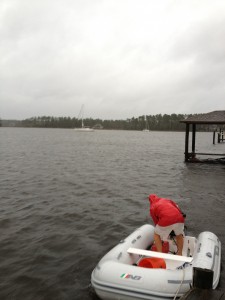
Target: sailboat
point(146, 125)
point(83, 128)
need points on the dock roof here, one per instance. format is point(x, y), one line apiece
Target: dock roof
point(214, 117)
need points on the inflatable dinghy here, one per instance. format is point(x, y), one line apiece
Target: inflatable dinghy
point(132, 271)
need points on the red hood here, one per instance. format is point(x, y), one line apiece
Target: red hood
point(153, 199)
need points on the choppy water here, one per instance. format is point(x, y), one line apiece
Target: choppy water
point(66, 198)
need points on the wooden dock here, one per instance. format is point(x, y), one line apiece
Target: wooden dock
point(212, 118)
point(200, 294)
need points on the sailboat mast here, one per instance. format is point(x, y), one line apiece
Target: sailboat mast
point(81, 114)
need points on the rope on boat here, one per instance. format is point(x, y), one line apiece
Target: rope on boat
point(175, 296)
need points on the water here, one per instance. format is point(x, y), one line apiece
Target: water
point(66, 198)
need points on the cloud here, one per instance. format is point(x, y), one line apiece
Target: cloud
point(121, 59)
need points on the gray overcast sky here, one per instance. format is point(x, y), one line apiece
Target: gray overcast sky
point(120, 58)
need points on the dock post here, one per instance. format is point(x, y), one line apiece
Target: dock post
point(193, 139)
point(186, 142)
point(218, 137)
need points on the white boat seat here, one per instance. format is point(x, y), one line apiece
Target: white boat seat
point(159, 254)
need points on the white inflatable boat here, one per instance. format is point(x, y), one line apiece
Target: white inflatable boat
point(119, 275)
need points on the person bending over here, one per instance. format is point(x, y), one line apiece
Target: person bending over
point(167, 217)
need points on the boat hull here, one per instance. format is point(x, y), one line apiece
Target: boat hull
point(84, 129)
point(118, 277)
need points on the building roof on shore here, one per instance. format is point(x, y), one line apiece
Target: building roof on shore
point(214, 117)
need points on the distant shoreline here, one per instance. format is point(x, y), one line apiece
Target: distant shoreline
point(157, 122)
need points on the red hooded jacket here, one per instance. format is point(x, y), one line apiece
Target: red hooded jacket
point(164, 212)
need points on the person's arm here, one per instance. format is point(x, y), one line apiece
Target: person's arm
point(178, 208)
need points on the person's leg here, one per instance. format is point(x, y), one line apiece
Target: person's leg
point(158, 242)
point(180, 243)
point(161, 233)
point(179, 232)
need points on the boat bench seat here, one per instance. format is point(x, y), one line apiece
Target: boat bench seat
point(159, 254)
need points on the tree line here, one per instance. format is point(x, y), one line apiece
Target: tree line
point(155, 122)
point(162, 122)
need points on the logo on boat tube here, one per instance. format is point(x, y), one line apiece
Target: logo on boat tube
point(130, 276)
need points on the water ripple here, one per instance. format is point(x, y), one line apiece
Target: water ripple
point(67, 198)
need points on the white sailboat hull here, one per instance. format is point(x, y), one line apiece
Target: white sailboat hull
point(84, 129)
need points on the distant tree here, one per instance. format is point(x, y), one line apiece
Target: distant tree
point(155, 122)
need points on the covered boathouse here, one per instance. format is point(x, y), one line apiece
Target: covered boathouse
point(216, 118)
